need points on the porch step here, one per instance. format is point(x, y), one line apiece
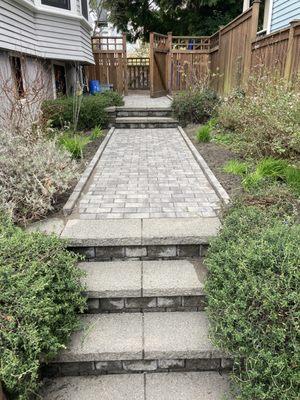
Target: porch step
point(139, 342)
point(133, 286)
point(145, 122)
point(153, 386)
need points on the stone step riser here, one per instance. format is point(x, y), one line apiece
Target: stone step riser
point(144, 125)
point(143, 114)
point(146, 304)
point(152, 252)
point(135, 366)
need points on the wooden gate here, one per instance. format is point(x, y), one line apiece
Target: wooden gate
point(138, 70)
point(159, 64)
point(110, 62)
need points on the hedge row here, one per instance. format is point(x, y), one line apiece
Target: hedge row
point(92, 110)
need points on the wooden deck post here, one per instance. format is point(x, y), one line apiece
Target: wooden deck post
point(251, 39)
point(290, 52)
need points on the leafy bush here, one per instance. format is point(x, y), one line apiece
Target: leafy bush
point(265, 121)
point(92, 111)
point(253, 301)
point(40, 296)
point(195, 105)
point(74, 144)
point(32, 175)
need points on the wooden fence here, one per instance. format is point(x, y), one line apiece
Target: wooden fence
point(225, 60)
point(138, 73)
point(110, 62)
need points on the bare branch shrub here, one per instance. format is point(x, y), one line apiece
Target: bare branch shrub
point(18, 113)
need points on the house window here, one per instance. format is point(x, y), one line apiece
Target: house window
point(16, 68)
point(65, 4)
point(85, 9)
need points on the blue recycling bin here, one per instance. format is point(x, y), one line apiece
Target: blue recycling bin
point(94, 86)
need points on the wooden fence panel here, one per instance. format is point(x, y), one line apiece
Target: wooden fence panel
point(159, 65)
point(295, 67)
point(269, 53)
point(110, 62)
point(138, 73)
point(188, 61)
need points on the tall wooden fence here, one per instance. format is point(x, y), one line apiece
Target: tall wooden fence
point(159, 65)
point(110, 62)
point(227, 58)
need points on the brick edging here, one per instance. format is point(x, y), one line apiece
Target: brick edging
point(72, 200)
point(221, 192)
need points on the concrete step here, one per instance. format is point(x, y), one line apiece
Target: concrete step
point(139, 342)
point(165, 386)
point(153, 238)
point(143, 112)
point(133, 286)
point(145, 122)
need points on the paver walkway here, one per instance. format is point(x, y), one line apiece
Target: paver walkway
point(148, 173)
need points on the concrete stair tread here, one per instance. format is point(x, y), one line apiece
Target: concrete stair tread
point(137, 232)
point(154, 386)
point(138, 336)
point(145, 119)
point(117, 279)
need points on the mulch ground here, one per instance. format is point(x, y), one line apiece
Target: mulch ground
point(216, 157)
point(88, 154)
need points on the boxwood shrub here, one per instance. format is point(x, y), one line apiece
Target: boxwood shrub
point(92, 111)
point(253, 301)
point(40, 296)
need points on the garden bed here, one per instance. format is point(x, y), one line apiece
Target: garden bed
point(216, 157)
point(88, 153)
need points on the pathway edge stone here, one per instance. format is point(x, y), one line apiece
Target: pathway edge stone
point(221, 192)
point(72, 200)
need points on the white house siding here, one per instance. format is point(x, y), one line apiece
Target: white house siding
point(283, 12)
point(44, 35)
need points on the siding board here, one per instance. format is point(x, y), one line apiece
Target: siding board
point(283, 13)
point(43, 35)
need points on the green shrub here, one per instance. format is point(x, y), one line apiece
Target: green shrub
point(236, 167)
point(96, 133)
point(74, 144)
point(265, 121)
point(204, 134)
point(267, 170)
point(253, 301)
point(195, 105)
point(33, 173)
point(92, 111)
point(40, 296)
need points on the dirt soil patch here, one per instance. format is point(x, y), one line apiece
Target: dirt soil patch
point(88, 153)
point(216, 157)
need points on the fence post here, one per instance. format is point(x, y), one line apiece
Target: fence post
point(125, 72)
point(290, 52)
point(169, 62)
point(151, 64)
point(252, 36)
